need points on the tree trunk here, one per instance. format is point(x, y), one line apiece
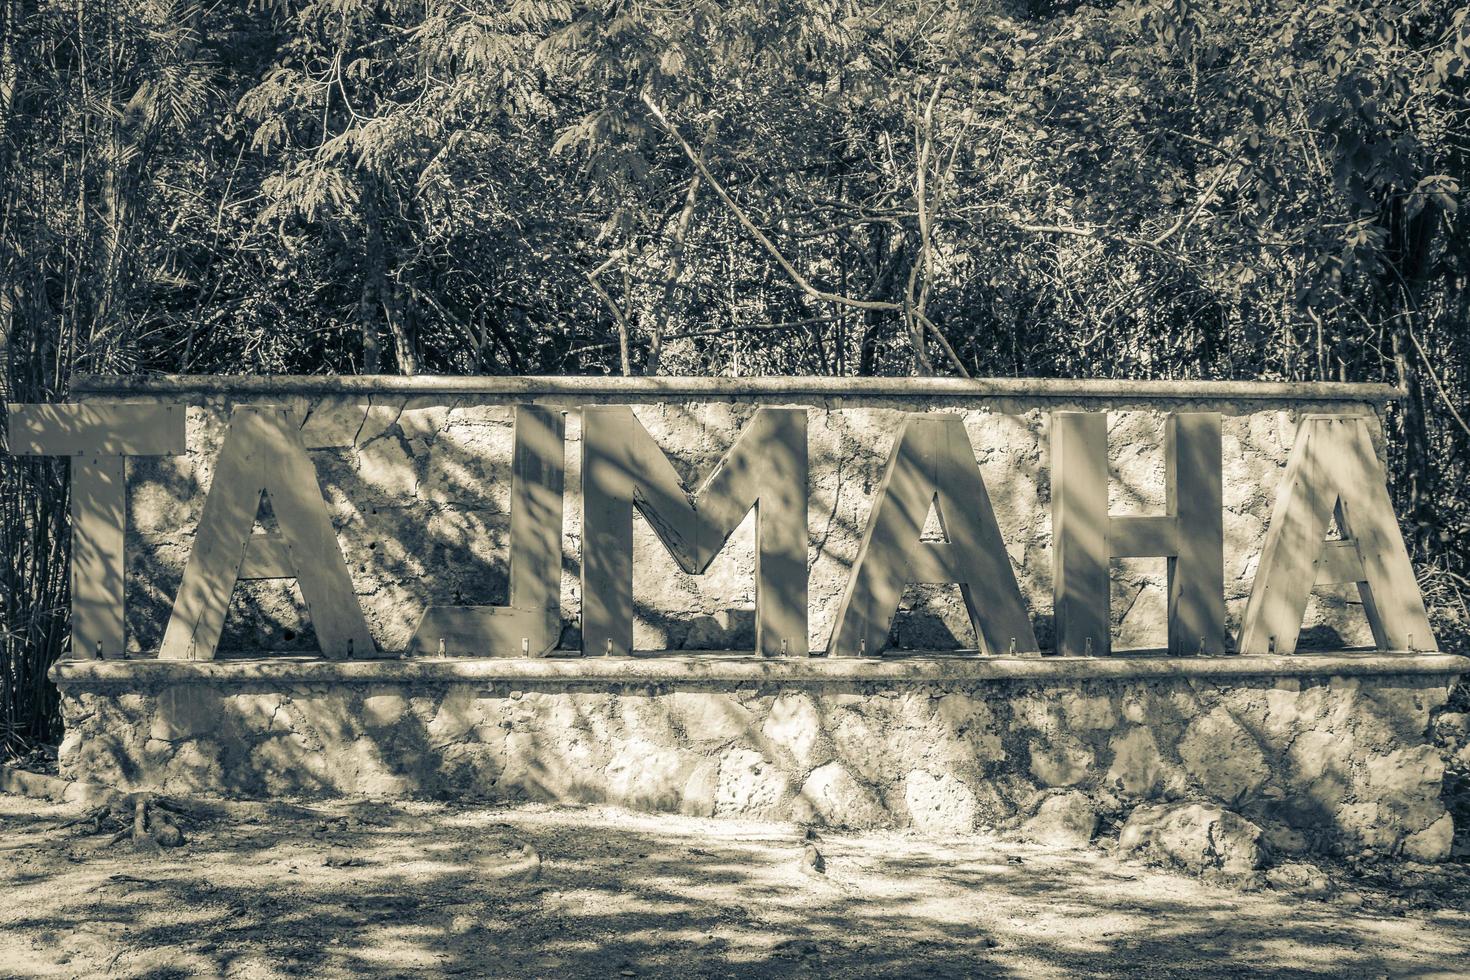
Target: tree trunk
point(380, 303)
point(1409, 249)
point(671, 281)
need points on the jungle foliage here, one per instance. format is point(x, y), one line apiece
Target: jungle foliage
point(1143, 189)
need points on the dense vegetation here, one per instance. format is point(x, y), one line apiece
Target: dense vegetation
point(1150, 188)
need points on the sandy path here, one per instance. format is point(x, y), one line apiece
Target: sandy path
point(430, 890)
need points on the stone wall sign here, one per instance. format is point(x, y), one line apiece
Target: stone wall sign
point(1334, 484)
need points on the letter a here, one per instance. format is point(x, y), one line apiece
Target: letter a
point(263, 454)
point(932, 463)
point(1333, 469)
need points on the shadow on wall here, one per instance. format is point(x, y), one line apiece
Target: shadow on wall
point(418, 495)
point(1342, 761)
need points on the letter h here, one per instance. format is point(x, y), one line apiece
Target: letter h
point(1086, 537)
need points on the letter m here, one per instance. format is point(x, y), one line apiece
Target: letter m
point(623, 468)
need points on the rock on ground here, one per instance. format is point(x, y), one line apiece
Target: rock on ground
point(1065, 820)
point(1195, 836)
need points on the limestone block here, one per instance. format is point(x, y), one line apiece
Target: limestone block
point(1063, 761)
point(470, 465)
point(1304, 879)
point(458, 714)
point(832, 796)
point(1146, 612)
point(1135, 463)
point(1407, 708)
point(1040, 712)
point(381, 416)
point(256, 713)
point(1065, 819)
point(1405, 774)
point(1195, 836)
point(523, 773)
point(1319, 767)
point(71, 743)
point(204, 429)
point(1433, 842)
point(701, 790)
point(794, 725)
point(724, 629)
point(385, 786)
point(322, 718)
point(333, 422)
point(647, 775)
point(1407, 785)
point(750, 785)
point(1222, 756)
point(336, 474)
point(1243, 532)
point(966, 728)
point(1089, 712)
point(165, 495)
point(351, 760)
point(386, 472)
point(109, 759)
point(1460, 758)
point(860, 739)
point(1137, 768)
point(939, 804)
point(185, 711)
point(157, 752)
point(1282, 839)
point(194, 767)
point(287, 764)
point(1452, 725)
point(1289, 709)
point(1265, 433)
point(120, 719)
point(134, 706)
point(1365, 825)
point(710, 717)
point(422, 418)
point(1317, 753)
point(383, 710)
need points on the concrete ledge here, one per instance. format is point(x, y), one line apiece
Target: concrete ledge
point(659, 388)
point(604, 671)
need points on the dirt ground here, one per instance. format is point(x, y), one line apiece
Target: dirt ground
point(409, 889)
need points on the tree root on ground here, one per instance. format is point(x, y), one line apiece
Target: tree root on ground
point(148, 820)
point(151, 820)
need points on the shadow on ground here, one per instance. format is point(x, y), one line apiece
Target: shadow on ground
point(433, 890)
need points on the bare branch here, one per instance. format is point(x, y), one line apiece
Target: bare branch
point(618, 318)
point(791, 271)
point(1444, 396)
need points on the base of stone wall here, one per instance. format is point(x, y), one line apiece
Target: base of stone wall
point(1328, 752)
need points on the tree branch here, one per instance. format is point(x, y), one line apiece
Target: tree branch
point(791, 271)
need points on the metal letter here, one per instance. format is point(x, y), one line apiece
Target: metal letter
point(932, 463)
point(1191, 535)
point(1334, 470)
point(623, 468)
point(263, 454)
point(530, 622)
point(98, 438)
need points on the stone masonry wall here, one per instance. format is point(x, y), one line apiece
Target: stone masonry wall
point(418, 488)
point(1326, 763)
